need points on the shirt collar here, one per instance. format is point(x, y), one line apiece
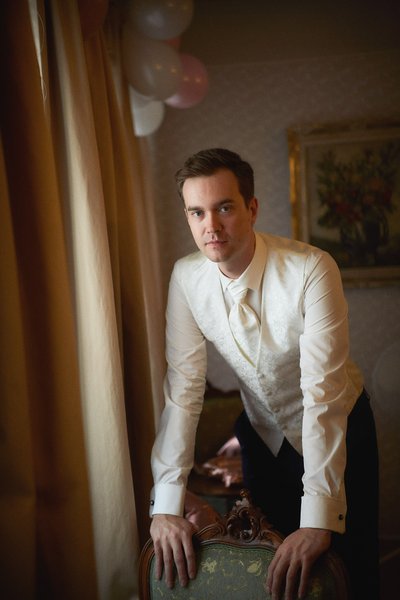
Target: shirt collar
point(251, 277)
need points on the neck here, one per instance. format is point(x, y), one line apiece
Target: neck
point(234, 271)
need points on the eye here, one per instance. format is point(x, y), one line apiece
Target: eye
point(196, 213)
point(225, 208)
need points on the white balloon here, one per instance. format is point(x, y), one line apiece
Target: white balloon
point(138, 100)
point(147, 114)
point(162, 19)
point(152, 68)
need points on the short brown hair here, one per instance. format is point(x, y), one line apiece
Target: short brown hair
point(207, 162)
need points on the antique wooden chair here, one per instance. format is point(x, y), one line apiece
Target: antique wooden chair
point(233, 556)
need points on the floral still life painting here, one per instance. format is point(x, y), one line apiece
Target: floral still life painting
point(345, 192)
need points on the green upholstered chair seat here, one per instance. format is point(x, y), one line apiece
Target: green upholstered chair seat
point(223, 571)
point(237, 573)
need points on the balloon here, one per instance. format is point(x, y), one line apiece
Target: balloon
point(161, 19)
point(92, 14)
point(152, 68)
point(138, 100)
point(193, 86)
point(147, 114)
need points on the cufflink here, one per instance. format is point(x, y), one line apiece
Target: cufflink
point(341, 517)
point(151, 502)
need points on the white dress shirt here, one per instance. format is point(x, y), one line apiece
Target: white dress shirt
point(303, 386)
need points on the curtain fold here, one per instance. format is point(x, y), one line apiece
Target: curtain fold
point(142, 310)
point(41, 399)
point(76, 375)
point(17, 479)
point(112, 498)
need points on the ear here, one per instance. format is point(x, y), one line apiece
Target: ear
point(253, 208)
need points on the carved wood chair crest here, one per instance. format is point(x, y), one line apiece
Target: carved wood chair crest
point(245, 523)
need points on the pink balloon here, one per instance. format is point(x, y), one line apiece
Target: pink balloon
point(194, 83)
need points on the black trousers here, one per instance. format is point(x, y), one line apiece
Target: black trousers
point(276, 487)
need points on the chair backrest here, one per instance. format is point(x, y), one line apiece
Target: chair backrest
point(233, 556)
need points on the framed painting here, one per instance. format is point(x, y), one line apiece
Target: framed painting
point(345, 197)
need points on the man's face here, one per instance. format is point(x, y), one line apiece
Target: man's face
point(220, 221)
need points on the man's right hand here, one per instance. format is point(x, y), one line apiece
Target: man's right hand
point(172, 539)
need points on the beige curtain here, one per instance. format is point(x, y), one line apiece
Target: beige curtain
point(78, 383)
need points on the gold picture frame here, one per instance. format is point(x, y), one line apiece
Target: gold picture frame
point(345, 196)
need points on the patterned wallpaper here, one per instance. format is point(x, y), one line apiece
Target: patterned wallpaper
point(248, 109)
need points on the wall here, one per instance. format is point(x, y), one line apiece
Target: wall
point(248, 109)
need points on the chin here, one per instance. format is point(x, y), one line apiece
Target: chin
point(215, 259)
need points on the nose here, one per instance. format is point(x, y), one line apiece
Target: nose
point(212, 222)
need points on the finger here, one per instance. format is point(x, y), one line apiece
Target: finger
point(190, 557)
point(278, 579)
point(305, 575)
point(159, 561)
point(292, 579)
point(169, 568)
point(180, 563)
point(270, 574)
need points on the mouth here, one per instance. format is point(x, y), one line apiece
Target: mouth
point(215, 243)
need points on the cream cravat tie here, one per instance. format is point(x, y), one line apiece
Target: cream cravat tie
point(244, 323)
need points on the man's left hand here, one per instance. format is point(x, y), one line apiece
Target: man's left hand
point(294, 558)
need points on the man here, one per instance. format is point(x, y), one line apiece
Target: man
point(275, 310)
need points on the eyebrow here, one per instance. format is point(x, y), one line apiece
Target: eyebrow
point(217, 205)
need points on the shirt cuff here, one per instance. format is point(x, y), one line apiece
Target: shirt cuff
point(167, 499)
point(322, 512)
